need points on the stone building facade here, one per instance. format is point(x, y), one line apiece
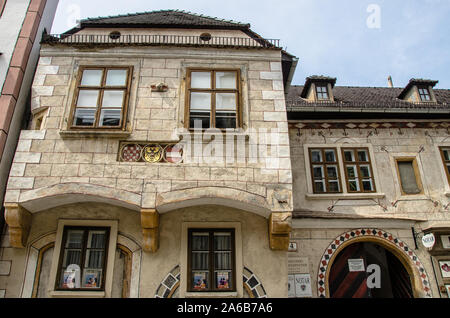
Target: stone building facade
point(121, 183)
point(170, 156)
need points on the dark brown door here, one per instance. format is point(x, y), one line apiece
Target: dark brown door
point(394, 279)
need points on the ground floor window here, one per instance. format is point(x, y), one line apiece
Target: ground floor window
point(211, 260)
point(82, 264)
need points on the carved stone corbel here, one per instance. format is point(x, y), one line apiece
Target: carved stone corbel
point(280, 230)
point(19, 222)
point(150, 230)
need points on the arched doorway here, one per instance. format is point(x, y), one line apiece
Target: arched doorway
point(346, 282)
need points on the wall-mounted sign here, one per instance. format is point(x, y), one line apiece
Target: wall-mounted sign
point(292, 247)
point(428, 240)
point(445, 268)
point(356, 265)
point(299, 286)
point(445, 241)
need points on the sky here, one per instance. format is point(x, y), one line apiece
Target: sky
point(360, 42)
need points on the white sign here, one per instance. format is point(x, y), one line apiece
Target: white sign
point(303, 285)
point(356, 265)
point(445, 242)
point(292, 247)
point(428, 240)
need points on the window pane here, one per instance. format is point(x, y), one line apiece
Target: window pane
point(201, 122)
point(351, 172)
point(318, 172)
point(113, 98)
point(332, 172)
point(87, 98)
point(330, 156)
point(94, 259)
point(71, 256)
point(92, 278)
point(446, 154)
point(110, 117)
point(92, 78)
point(226, 80)
point(222, 241)
point(84, 117)
point(319, 186)
point(97, 239)
point(353, 185)
point(200, 241)
point(225, 122)
point(225, 101)
point(316, 156)
point(367, 185)
point(201, 80)
point(408, 177)
point(362, 155)
point(349, 155)
point(116, 78)
point(201, 101)
point(74, 239)
point(334, 186)
point(365, 171)
point(222, 260)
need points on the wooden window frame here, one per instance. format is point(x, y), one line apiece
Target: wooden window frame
point(322, 93)
point(416, 174)
point(213, 91)
point(86, 230)
point(211, 268)
point(102, 88)
point(445, 162)
point(358, 163)
point(325, 164)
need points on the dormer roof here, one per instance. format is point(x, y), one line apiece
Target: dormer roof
point(416, 82)
point(316, 79)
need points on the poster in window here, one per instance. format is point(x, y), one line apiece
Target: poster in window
point(71, 277)
point(92, 279)
point(223, 280)
point(303, 285)
point(445, 268)
point(200, 281)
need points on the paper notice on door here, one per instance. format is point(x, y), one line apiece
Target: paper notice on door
point(356, 265)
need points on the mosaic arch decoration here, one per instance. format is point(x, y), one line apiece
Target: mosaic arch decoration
point(361, 233)
point(252, 284)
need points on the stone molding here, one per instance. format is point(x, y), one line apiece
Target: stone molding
point(19, 222)
point(279, 230)
point(150, 230)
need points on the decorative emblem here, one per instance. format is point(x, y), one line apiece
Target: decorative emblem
point(153, 153)
point(173, 154)
point(131, 153)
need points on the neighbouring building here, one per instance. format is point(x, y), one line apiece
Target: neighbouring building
point(168, 155)
point(22, 23)
point(370, 179)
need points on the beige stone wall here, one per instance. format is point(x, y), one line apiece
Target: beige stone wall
point(48, 157)
point(385, 145)
point(154, 267)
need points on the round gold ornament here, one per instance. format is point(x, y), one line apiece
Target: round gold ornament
point(153, 153)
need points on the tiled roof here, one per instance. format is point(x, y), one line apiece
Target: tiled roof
point(166, 18)
point(366, 97)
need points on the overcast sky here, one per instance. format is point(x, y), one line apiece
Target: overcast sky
point(360, 42)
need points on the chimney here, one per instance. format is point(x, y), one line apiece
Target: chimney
point(390, 84)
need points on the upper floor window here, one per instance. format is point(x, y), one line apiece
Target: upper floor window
point(82, 264)
point(445, 154)
point(213, 99)
point(101, 97)
point(211, 260)
point(424, 94)
point(325, 170)
point(409, 176)
point(322, 92)
point(358, 170)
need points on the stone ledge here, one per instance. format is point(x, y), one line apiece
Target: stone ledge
point(89, 133)
point(344, 196)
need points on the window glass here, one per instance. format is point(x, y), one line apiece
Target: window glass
point(85, 116)
point(226, 80)
point(87, 98)
point(201, 80)
point(116, 78)
point(92, 78)
point(110, 117)
point(113, 98)
point(408, 177)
